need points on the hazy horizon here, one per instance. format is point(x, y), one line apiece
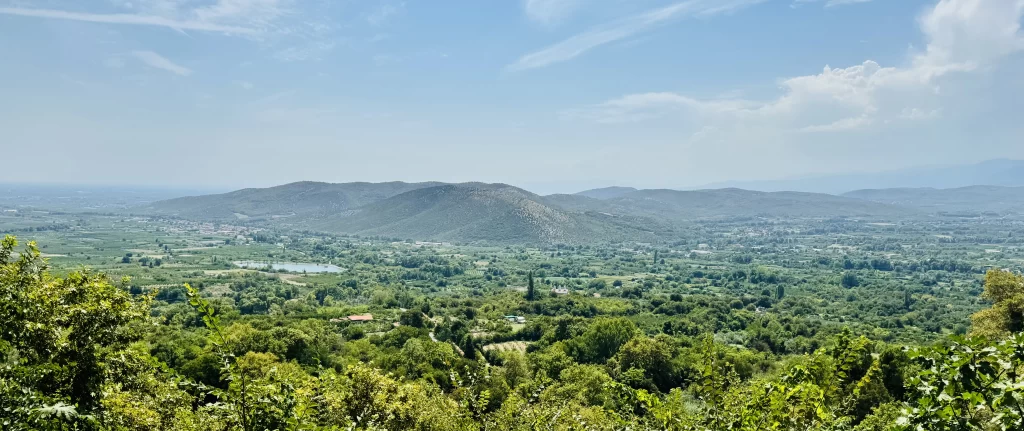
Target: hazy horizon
point(572, 188)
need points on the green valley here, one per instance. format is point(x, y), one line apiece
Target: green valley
point(478, 306)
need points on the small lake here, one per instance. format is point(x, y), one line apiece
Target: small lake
point(290, 266)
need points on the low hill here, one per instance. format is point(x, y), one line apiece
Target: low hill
point(606, 192)
point(964, 200)
point(304, 200)
point(681, 206)
point(476, 212)
point(724, 203)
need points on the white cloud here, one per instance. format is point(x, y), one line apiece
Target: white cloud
point(246, 85)
point(384, 12)
point(253, 13)
point(963, 36)
point(129, 19)
point(550, 11)
point(292, 30)
point(624, 28)
point(840, 125)
point(157, 61)
point(919, 114)
point(829, 3)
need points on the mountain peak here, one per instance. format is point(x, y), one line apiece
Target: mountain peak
point(607, 192)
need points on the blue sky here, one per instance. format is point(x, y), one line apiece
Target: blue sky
point(552, 95)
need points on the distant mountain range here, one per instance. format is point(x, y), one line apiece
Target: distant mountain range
point(499, 213)
point(973, 200)
point(676, 205)
point(999, 172)
point(64, 197)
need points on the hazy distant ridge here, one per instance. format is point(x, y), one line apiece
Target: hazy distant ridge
point(999, 172)
point(972, 199)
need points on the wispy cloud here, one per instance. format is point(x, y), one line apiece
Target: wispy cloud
point(550, 11)
point(840, 125)
point(314, 51)
point(963, 36)
point(157, 61)
point(380, 15)
point(608, 33)
point(829, 3)
point(129, 19)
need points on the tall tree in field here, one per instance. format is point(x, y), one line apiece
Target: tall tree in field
point(531, 293)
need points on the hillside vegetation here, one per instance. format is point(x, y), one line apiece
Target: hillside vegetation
point(723, 203)
point(503, 214)
point(303, 200)
point(474, 212)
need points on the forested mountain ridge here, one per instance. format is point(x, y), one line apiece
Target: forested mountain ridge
point(721, 203)
point(500, 213)
point(472, 212)
point(302, 199)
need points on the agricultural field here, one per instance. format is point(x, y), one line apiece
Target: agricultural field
point(897, 282)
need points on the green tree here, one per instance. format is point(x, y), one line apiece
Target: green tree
point(601, 340)
point(59, 339)
point(652, 359)
point(849, 280)
point(967, 384)
point(531, 293)
point(1006, 291)
point(412, 318)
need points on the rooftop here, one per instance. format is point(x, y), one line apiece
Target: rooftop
point(360, 317)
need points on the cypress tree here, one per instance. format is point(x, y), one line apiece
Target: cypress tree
point(531, 294)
